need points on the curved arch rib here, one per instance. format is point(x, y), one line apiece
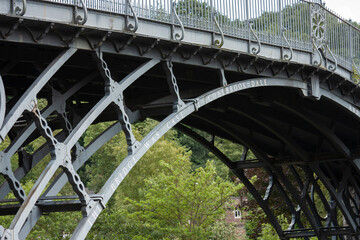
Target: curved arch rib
point(169, 122)
point(62, 150)
point(56, 105)
point(240, 174)
point(60, 181)
point(24, 103)
point(2, 102)
point(32, 91)
point(336, 142)
point(277, 170)
point(305, 202)
point(128, 163)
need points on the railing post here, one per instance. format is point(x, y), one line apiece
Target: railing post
point(351, 44)
point(212, 16)
point(128, 26)
point(309, 27)
point(248, 19)
point(280, 21)
point(126, 8)
point(17, 10)
point(79, 19)
point(174, 35)
point(171, 2)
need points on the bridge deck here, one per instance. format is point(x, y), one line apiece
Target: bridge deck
point(105, 21)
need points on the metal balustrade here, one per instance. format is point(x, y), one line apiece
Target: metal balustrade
point(299, 24)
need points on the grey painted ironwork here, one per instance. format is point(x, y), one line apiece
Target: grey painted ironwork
point(175, 35)
point(58, 106)
point(285, 56)
point(332, 68)
point(318, 24)
point(111, 86)
point(357, 71)
point(235, 17)
point(20, 11)
point(25, 103)
point(239, 173)
point(129, 26)
point(61, 179)
point(174, 89)
point(253, 49)
point(61, 155)
point(299, 36)
point(173, 119)
point(78, 18)
point(216, 42)
point(114, 93)
point(2, 102)
point(317, 62)
point(319, 34)
point(281, 43)
point(14, 184)
point(272, 181)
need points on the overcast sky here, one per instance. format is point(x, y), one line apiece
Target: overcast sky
point(346, 8)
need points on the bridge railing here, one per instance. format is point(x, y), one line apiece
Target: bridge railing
point(343, 40)
point(305, 25)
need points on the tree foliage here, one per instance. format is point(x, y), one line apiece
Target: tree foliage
point(184, 204)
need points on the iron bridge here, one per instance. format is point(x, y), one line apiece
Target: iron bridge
point(277, 77)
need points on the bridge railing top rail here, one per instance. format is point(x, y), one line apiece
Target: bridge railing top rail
point(305, 25)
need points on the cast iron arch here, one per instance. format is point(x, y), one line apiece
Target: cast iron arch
point(175, 118)
point(137, 150)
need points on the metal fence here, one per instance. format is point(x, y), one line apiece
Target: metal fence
point(299, 24)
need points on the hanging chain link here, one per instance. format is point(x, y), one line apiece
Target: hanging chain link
point(173, 86)
point(7, 172)
point(44, 125)
point(74, 178)
point(110, 88)
point(67, 122)
point(106, 74)
point(64, 160)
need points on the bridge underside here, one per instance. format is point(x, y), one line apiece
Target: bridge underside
point(302, 124)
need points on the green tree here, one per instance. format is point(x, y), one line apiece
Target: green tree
point(114, 151)
point(222, 230)
point(269, 233)
point(182, 203)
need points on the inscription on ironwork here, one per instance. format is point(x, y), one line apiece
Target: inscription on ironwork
point(234, 88)
point(122, 174)
point(175, 120)
point(354, 110)
point(179, 117)
point(94, 215)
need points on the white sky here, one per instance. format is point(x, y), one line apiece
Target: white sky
point(348, 9)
